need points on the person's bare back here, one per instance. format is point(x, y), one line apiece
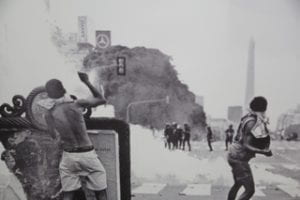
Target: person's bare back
point(69, 122)
point(65, 114)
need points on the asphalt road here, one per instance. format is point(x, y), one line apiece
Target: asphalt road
point(277, 177)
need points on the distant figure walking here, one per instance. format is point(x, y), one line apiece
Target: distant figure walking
point(179, 137)
point(186, 136)
point(229, 135)
point(168, 135)
point(252, 137)
point(209, 138)
point(173, 136)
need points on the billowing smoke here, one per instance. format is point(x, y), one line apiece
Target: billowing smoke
point(151, 162)
point(28, 57)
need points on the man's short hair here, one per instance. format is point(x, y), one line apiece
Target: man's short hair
point(55, 89)
point(259, 104)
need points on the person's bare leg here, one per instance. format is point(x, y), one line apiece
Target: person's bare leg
point(101, 195)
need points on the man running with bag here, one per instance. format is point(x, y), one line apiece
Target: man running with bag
point(251, 138)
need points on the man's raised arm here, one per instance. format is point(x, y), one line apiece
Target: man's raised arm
point(97, 98)
point(50, 124)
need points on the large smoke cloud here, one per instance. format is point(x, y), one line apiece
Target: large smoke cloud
point(28, 57)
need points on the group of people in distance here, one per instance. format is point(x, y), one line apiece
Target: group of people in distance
point(177, 137)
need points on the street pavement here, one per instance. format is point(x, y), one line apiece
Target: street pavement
point(276, 177)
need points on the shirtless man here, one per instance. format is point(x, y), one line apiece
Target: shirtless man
point(79, 158)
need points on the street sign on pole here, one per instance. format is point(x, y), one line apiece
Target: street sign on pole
point(103, 39)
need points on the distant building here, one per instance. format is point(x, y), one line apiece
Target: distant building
point(86, 31)
point(199, 100)
point(82, 29)
point(234, 113)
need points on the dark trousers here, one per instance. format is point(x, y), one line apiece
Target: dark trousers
point(188, 143)
point(175, 143)
point(228, 140)
point(169, 142)
point(209, 144)
point(180, 142)
point(242, 176)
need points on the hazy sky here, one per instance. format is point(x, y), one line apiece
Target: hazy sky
point(208, 41)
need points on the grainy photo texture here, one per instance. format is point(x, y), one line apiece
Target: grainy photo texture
point(149, 100)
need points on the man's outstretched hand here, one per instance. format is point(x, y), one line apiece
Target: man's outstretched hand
point(268, 153)
point(83, 77)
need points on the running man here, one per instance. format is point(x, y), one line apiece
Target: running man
point(252, 137)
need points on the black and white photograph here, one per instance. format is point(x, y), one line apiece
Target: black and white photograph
point(149, 100)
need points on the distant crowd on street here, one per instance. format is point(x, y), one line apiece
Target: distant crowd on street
point(177, 137)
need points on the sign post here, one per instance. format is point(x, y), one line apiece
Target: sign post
point(103, 39)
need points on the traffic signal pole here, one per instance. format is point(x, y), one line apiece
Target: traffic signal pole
point(167, 100)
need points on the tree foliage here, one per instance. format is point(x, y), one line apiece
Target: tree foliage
point(149, 75)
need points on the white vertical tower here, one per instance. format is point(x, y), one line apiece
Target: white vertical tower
point(250, 88)
point(47, 3)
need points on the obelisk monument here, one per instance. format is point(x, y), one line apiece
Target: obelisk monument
point(250, 88)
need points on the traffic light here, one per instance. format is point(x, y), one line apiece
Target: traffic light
point(121, 66)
